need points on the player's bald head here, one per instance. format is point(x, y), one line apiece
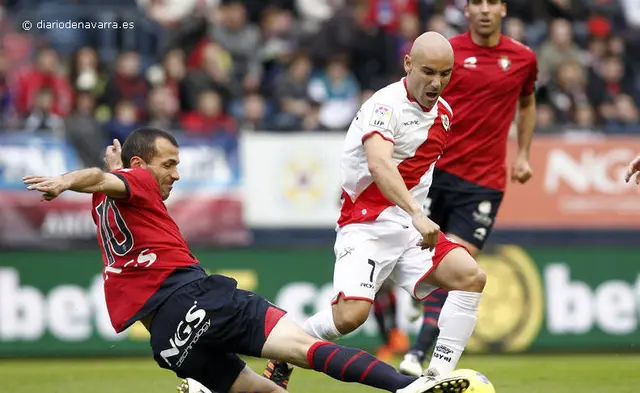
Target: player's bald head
point(428, 65)
point(433, 45)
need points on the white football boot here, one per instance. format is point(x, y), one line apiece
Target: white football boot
point(190, 385)
point(431, 382)
point(410, 365)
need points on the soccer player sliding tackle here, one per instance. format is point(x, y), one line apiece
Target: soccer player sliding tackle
point(198, 323)
point(492, 76)
point(389, 154)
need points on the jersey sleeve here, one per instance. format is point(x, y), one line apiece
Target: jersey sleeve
point(140, 184)
point(379, 118)
point(530, 83)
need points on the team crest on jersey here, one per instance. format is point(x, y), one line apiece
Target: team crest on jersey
point(445, 122)
point(504, 62)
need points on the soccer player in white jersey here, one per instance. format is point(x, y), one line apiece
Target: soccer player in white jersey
point(389, 154)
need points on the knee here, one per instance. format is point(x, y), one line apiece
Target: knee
point(349, 317)
point(472, 279)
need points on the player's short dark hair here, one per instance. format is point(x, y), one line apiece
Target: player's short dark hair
point(142, 143)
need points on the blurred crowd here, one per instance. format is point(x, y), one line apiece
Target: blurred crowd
point(208, 67)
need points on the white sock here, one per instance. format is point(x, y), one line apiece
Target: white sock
point(457, 321)
point(321, 325)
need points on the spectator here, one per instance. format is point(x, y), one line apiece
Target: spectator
point(8, 116)
point(46, 74)
point(209, 118)
point(125, 120)
point(610, 81)
point(172, 74)
point(515, 29)
point(311, 121)
point(624, 118)
point(84, 131)
point(213, 74)
point(585, 117)
point(315, 12)
point(86, 73)
point(568, 90)
point(162, 109)
point(583, 121)
point(254, 114)
point(386, 14)
point(545, 119)
point(337, 90)
point(171, 12)
point(126, 83)
point(596, 51)
point(242, 40)
point(618, 48)
point(43, 118)
point(291, 93)
point(438, 22)
point(279, 41)
point(559, 48)
point(408, 31)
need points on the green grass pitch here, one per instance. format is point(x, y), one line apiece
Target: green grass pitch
point(510, 374)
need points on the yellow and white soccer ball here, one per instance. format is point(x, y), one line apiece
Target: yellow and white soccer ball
point(479, 383)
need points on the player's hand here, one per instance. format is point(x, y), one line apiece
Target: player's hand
point(634, 167)
point(429, 230)
point(50, 187)
point(113, 156)
point(521, 171)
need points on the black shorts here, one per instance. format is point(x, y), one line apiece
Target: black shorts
point(462, 208)
point(200, 329)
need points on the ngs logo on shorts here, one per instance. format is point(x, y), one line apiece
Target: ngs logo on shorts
point(186, 335)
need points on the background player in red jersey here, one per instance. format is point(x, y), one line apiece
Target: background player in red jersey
point(198, 323)
point(493, 76)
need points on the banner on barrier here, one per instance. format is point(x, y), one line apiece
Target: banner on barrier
point(576, 184)
point(292, 180)
point(536, 299)
point(206, 202)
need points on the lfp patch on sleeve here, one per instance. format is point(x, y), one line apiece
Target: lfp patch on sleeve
point(381, 116)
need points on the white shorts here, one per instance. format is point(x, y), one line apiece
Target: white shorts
point(369, 253)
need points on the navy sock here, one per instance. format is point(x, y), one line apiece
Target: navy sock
point(391, 312)
point(382, 326)
point(429, 330)
point(384, 311)
point(355, 365)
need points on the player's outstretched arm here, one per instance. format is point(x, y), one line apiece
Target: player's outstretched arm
point(89, 180)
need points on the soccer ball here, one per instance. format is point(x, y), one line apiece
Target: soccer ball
point(479, 383)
